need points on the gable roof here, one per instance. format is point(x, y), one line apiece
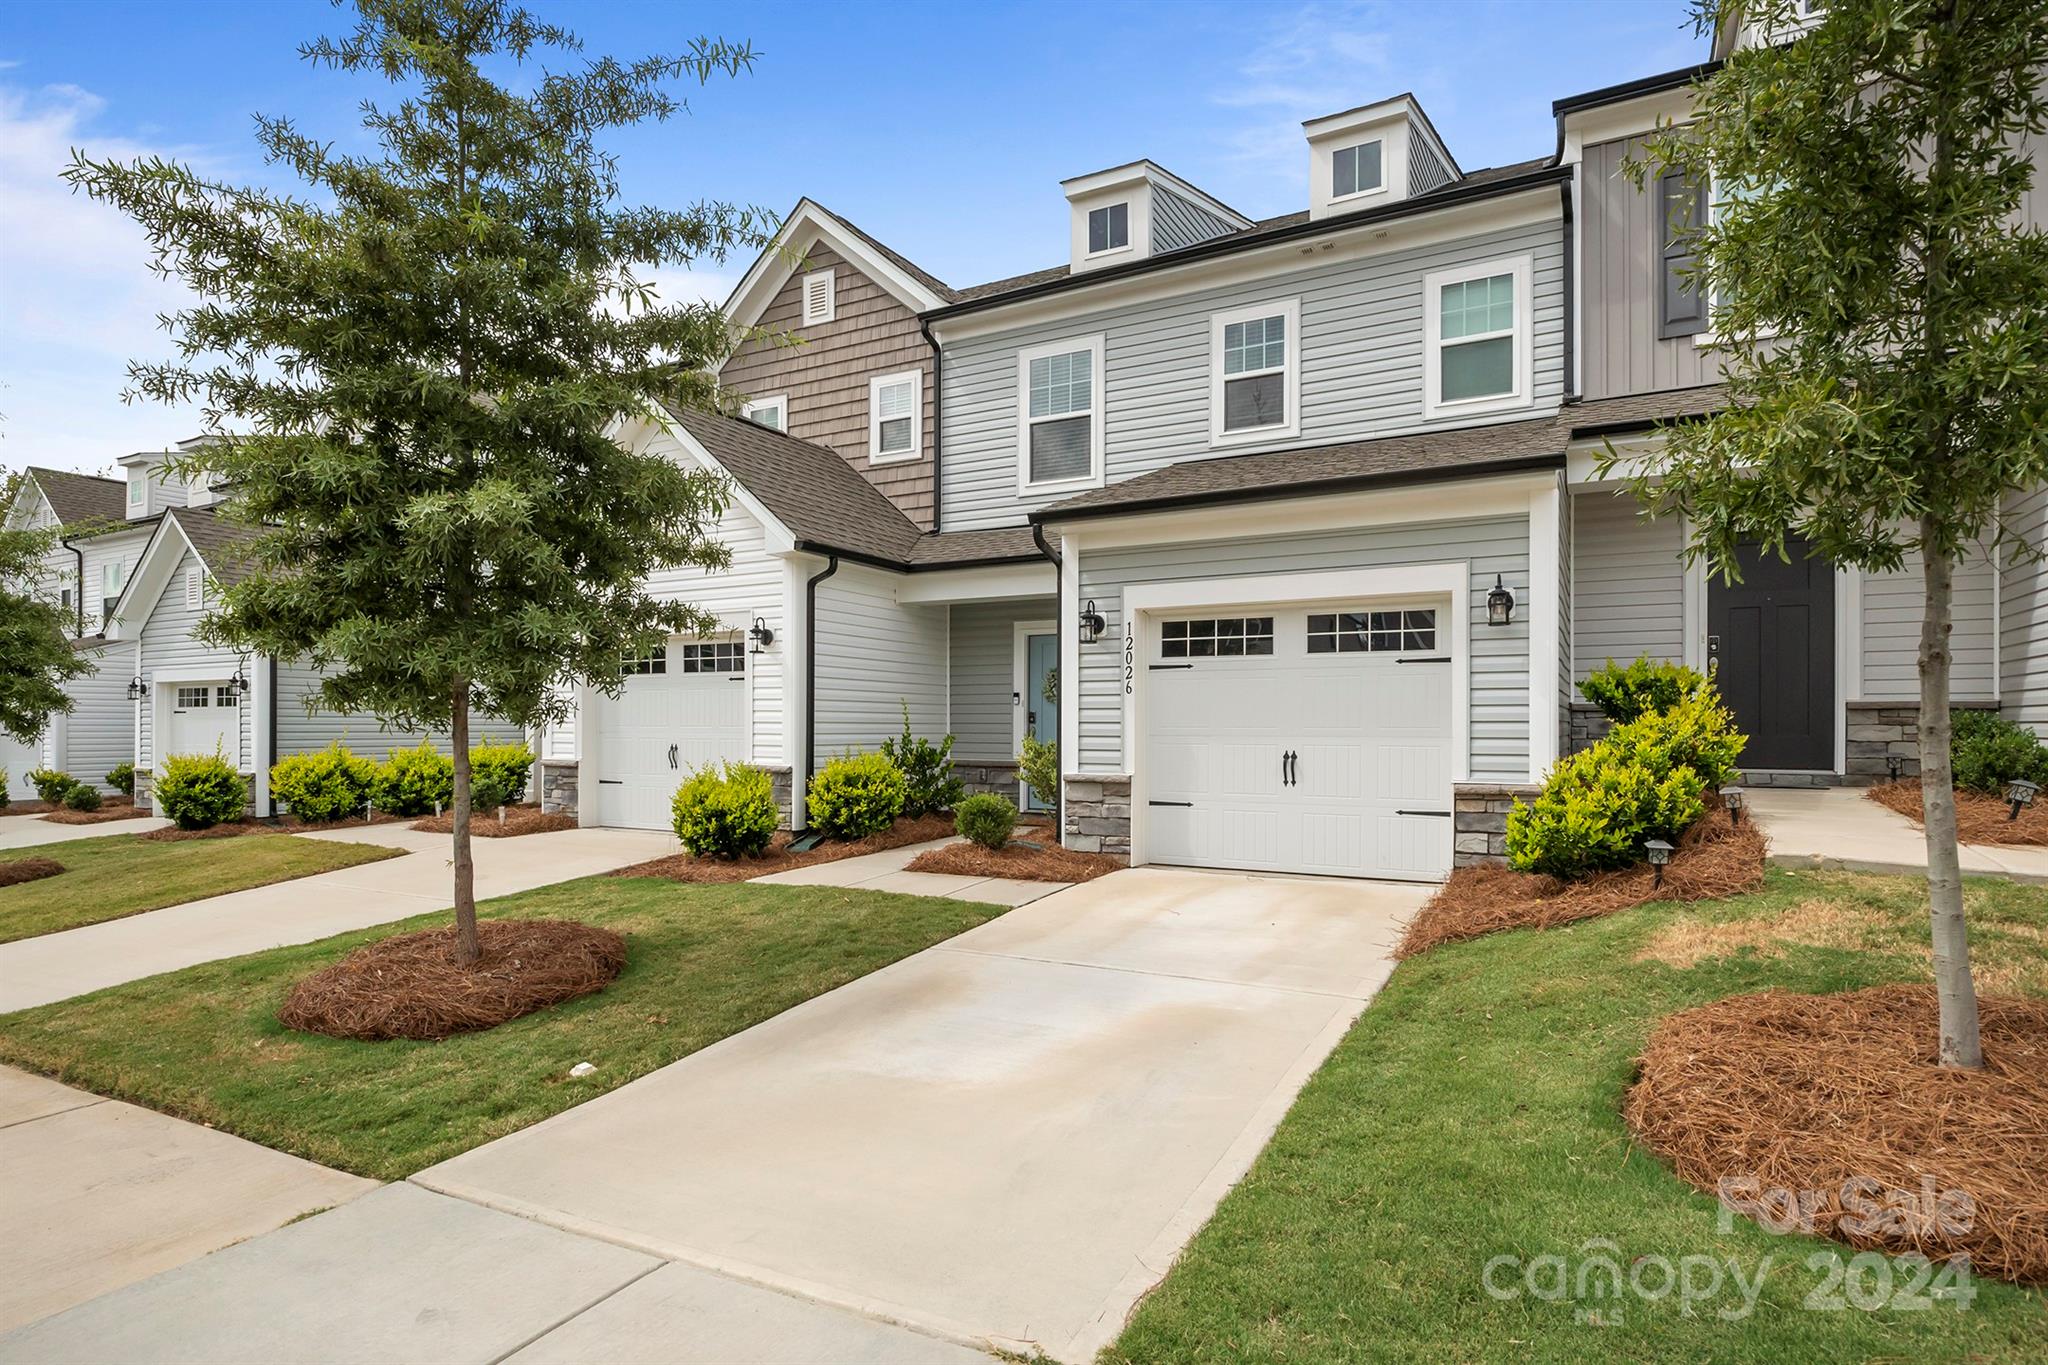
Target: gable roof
point(914, 287)
point(213, 538)
point(80, 499)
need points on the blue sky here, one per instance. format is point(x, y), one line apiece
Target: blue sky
point(944, 129)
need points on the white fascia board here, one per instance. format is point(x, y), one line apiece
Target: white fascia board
point(22, 512)
point(987, 583)
point(1641, 453)
point(160, 558)
point(780, 540)
point(1149, 172)
point(777, 262)
point(1625, 118)
point(1342, 240)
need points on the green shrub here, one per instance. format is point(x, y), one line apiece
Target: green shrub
point(1990, 751)
point(82, 797)
point(498, 773)
point(1039, 766)
point(726, 814)
point(121, 778)
point(929, 783)
point(198, 791)
point(5, 795)
point(856, 795)
point(986, 819)
point(1647, 779)
point(413, 781)
point(51, 785)
point(329, 785)
point(1622, 694)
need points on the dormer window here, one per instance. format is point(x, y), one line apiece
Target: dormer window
point(819, 297)
point(1109, 228)
point(138, 489)
point(1357, 170)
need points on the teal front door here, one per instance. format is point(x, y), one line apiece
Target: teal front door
point(1041, 717)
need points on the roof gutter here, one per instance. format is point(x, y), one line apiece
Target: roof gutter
point(1352, 483)
point(1059, 651)
point(1571, 295)
point(1224, 246)
point(819, 547)
point(1627, 90)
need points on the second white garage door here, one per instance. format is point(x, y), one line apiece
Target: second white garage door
point(1300, 739)
point(684, 707)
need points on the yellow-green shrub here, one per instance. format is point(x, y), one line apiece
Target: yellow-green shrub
point(414, 781)
point(498, 773)
point(328, 785)
point(857, 795)
point(726, 814)
point(198, 791)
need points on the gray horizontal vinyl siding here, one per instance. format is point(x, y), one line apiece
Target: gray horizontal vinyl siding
point(1893, 605)
point(1628, 584)
point(100, 731)
point(300, 731)
point(874, 656)
point(984, 676)
point(168, 642)
point(1177, 222)
point(2023, 615)
point(1500, 655)
point(1361, 360)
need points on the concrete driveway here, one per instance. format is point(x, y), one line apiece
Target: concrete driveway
point(1003, 1140)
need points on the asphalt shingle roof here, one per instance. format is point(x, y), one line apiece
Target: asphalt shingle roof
point(80, 499)
point(1642, 410)
point(218, 542)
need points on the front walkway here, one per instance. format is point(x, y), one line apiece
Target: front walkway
point(1001, 1141)
point(885, 871)
point(33, 831)
point(35, 971)
point(1840, 827)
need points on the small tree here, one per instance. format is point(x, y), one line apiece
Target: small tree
point(36, 657)
point(431, 361)
point(1880, 319)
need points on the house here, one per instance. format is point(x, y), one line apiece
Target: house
point(1298, 519)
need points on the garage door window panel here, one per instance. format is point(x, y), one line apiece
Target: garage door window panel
point(719, 657)
point(193, 698)
point(1372, 632)
point(1230, 637)
point(641, 665)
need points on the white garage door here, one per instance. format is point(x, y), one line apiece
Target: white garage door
point(19, 760)
point(1301, 739)
point(685, 706)
point(204, 717)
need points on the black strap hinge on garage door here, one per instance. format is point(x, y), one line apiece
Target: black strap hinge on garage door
point(611, 781)
point(1433, 659)
point(1161, 668)
point(1440, 814)
point(1169, 803)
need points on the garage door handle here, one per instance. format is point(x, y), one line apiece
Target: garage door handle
point(1287, 769)
point(1439, 814)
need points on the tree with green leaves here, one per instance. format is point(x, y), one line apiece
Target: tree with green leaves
point(36, 656)
point(420, 374)
point(1881, 316)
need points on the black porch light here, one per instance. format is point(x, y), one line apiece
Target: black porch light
point(1092, 624)
point(1660, 854)
point(760, 634)
point(2020, 793)
point(1731, 797)
point(239, 684)
point(136, 688)
point(1500, 603)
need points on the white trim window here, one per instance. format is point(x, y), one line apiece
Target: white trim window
point(138, 489)
point(113, 574)
point(821, 296)
point(1476, 347)
point(1059, 415)
point(895, 417)
point(1255, 372)
point(1358, 170)
point(772, 411)
point(1109, 228)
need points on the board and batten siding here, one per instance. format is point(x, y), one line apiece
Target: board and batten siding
point(1893, 604)
point(875, 655)
point(984, 676)
point(1500, 655)
point(2023, 614)
point(167, 641)
point(1361, 358)
point(826, 375)
point(1622, 272)
point(1628, 583)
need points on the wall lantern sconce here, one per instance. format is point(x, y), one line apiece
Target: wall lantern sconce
point(2020, 793)
point(136, 688)
point(1660, 854)
point(1893, 764)
point(1500, 603)
point(239, 684)
point(1731, 797)
point(760, 634)
point(1092, 624)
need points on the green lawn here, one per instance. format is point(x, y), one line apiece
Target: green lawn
point(704, 962)
point(123, 874)
point(1472, 1112)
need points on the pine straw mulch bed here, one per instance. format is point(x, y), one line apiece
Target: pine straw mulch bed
point(28, 808)
point(19, 870)
point(1980, 819)
point(1715, 858)
point(292, 824)
point(486, 825)
point(1808, 1092)
point(114, 808)
point(226, 829)
point(684, 867)
point(1020, 860)
point(408, 986)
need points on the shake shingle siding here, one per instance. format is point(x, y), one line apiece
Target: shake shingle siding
point(1361, 353)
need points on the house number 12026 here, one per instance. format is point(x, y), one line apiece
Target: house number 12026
point(1130, 655)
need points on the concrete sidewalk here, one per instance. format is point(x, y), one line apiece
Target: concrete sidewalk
point(885, 871)
point(98, 1194)
point(35, 971)
point(1841, 827)
point(33, 831)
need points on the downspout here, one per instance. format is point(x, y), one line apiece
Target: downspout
point(1059, 646)
point(938, 411)
point(1571, 301)
point(800, 798)
point(270, 793)
point(78, 602)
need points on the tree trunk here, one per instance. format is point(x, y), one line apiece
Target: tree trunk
point(467, 950)
point(1959, 1045)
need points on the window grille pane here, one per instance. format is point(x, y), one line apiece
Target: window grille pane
point(192, 698)
point(1061, 449)
point(893, 400)
point(1475, 369)
point(1255, 401)
point(1062, 384)
point(1476, 307)
point(895, 435)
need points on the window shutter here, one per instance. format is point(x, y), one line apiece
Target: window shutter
point(1681, 211)
point(818, 297)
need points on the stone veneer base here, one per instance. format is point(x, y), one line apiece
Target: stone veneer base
point(560, 778)
point(1097, 814)
point(1479, 811)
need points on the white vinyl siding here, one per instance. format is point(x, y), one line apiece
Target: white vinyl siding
point(303, 732)
point(1060, 415)
point(875, 655)
point(2023, 616)
point(1628, 581)
point(1360, 368)
point(1500, 655)
point(100, 731)
point(983, 676)
point(124, 549)
point(168, 642)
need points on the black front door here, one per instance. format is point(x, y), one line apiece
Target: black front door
point(1773, 635)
